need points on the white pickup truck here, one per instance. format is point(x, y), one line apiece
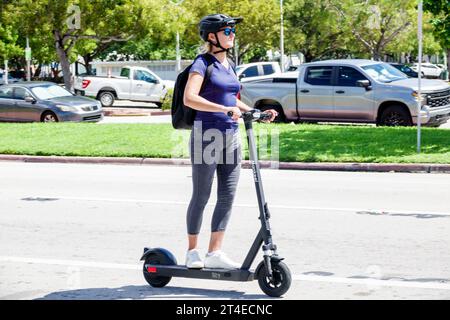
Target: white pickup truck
point(257, 70)
point(134, 83)
point(350, 91)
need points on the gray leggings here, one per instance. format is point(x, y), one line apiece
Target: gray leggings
point(221, 153)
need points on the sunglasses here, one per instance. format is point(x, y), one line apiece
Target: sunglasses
point(228, 31)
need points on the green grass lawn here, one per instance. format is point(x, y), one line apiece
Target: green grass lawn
point(303, 143)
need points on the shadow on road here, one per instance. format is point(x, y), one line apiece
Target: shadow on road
point(147, 292)
point(411, 215)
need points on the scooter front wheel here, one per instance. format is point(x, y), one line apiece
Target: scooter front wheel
point(157, 258)
point(280, 283)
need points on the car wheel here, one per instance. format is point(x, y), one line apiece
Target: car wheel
point(106, 98)
point(394, 116)
point(49, 116)
point(278, 119)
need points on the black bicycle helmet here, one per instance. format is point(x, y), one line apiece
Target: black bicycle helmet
point(213, 23)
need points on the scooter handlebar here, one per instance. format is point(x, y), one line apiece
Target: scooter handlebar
point(252, 115)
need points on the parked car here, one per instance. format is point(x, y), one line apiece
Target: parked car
point(134, 83)
point(428, 70)
point(45, 102)
point(257, 70)
point(405, 69)
point(351, 91)
point(11, 79)
point(19, 74)
point(442, 66)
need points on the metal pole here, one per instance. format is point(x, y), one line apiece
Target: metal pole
point(236, 52)
point(6, 72)
point(28, 58)
point(282, 37)
point(178, 69)
point(178, 55)
point(419, 91)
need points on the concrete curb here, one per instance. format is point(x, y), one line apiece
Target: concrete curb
point(117, 111)
point(352, 167)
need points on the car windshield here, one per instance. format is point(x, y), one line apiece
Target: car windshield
point(384, 73)
point(50, 92)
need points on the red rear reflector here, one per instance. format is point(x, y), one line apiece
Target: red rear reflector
point(85, 83)
point(151, 269)
point(238, 95)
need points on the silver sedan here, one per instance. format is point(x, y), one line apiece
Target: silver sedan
point(45, 102)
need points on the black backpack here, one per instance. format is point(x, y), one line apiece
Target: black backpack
point(183, 116)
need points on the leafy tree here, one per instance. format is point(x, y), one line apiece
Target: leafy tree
point(312, 27)
point(375, 23)
point(407, 42)
point(8, 43)
point(441, 23)
point(153, 26)
point(160, 41)
point(69, 21)
point(9, 47)
point(260, 28)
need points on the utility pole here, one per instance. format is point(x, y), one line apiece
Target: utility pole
point(236, 52)
point(282, 37)
point(5, 75)
point(178, 67)
point(178, 58)
point(419, 91)
point(28, 58)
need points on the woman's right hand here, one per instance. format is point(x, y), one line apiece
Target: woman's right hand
point(236, 113)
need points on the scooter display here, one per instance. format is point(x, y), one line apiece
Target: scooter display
point(273, 275)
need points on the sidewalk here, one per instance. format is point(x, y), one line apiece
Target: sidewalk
point(351, 167)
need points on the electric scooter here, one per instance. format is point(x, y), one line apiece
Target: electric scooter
point(274, 277)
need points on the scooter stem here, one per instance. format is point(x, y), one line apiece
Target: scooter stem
point(253, 155)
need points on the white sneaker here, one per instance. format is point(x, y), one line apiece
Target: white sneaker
point(193, 260)
point(219, 260)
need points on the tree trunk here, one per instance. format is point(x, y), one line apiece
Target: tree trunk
point(37, 72)
point(308, 56)
point(64, 60)
point(87, 60)
point(87, 63)
point(376, 55)
point(448, 62)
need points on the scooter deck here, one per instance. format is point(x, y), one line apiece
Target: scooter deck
point(182, 271)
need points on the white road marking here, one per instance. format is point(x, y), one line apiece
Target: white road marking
point(375, 282)
point(312, 278)
point(274, 206)
point(72, 263)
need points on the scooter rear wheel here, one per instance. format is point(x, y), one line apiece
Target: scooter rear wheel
point(281, 279)
point(156, 258)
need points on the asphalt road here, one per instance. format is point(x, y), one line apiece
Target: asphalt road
point(73, 231)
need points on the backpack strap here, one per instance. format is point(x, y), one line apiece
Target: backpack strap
point(209, 69)
point(210, 65)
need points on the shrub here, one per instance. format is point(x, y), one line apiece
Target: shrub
point(167, 103)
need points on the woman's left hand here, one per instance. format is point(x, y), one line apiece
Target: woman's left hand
point(273, 114)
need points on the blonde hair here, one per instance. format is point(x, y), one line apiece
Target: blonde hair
point(205, 48)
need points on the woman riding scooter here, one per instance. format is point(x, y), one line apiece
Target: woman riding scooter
point(214, 141)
